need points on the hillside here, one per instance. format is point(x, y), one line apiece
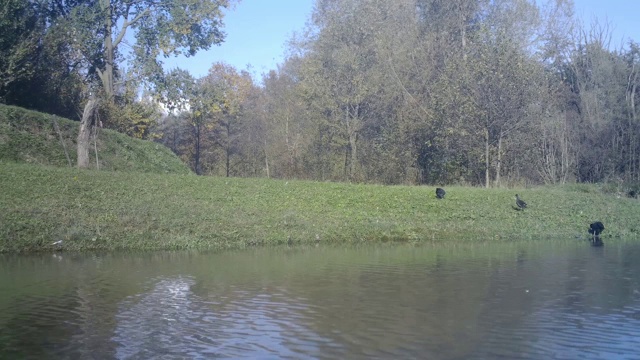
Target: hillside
point(31, 137)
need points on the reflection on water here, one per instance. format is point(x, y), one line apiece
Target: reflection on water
point(551, 300)
point(241, 323)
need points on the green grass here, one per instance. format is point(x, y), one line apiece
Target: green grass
point(89, 209)
point(30, 137)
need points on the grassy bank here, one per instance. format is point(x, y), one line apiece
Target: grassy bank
point(88, 209)
point(32, 137)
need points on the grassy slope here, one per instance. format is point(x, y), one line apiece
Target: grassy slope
point(89, 209)
point(29, 136)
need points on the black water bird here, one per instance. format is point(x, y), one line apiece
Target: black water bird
point(440, 193)
point(521, 204)
point(595, 229)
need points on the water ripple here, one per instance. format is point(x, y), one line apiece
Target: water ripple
point(241, 324)
point(407, 303)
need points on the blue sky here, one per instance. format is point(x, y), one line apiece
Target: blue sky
point(621, 15)
point(257, 31)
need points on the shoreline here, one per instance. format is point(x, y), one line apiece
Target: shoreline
point(50, 209)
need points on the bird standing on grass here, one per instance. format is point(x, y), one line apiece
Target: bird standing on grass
point(440, 193)
point(521, 204)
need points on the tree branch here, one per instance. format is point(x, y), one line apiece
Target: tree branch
point(127, 23)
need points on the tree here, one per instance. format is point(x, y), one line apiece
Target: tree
point(556, 141)
point(340, 71)
point(599, 78)
point(227, 92)
point(288, 129)
point(37, 69)
point(20, 31)
point(440, 83)
point(193, 104)
point(97, 29)
point(450, 22)
point(506, 77)
point(212, 106)
point(507, 87)
point(632, 97)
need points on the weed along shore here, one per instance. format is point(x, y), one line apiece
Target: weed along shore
point(45, 208)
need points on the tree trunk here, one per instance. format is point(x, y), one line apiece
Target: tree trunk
point(88, 116)
point(351, 122)
point(486, 158)
point(196, 155)
point(228, 147)
point(499, 162)
point(290, 149)
point(106, 76)
point(266, 159)
point(633, 127)
point(632, 102)
point(353, 139)
point(463, 31)
point(84, 134)
point(566, 161)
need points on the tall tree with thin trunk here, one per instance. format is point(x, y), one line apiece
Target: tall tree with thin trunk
point(97, 29)
point(233, 88)
point(288, 128)
point(339, 69)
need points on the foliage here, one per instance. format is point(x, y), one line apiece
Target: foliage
point(205, 116)
point(429, 91)
point(98, 29)
point(31, 137)
point(20, 29)
point(232, 89)
point(136, 119)
point(284, 124)
point(340, 73)
point(494, 93)
point(191, 106)
point(37, 60)
point(93, 35)
point(130, 115)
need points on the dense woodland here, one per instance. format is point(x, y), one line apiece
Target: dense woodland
point(478, 92)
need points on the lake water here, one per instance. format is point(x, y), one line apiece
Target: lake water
point(534, 300)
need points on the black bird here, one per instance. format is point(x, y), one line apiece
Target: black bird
point(440, 193)
point(595, 229)
point(520, 203)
